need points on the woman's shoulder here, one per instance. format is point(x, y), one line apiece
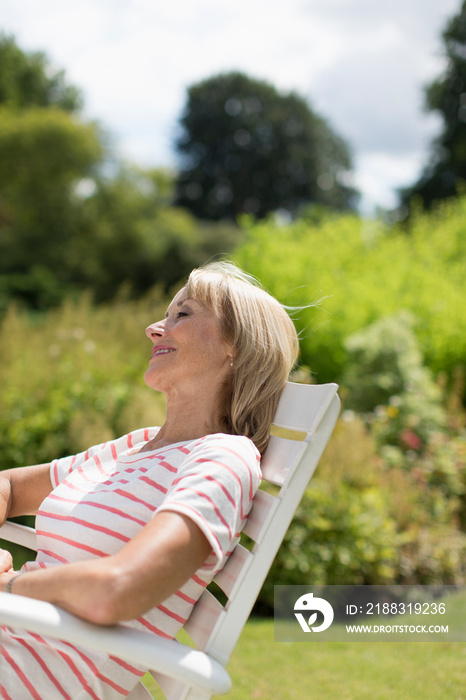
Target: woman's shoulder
point(227, 440)
point(230, 449)
point(228, 459)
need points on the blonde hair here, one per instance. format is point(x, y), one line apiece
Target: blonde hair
point(265, 342)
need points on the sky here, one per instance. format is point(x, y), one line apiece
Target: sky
point(361, 64)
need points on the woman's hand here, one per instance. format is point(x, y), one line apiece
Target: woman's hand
point(6, 561)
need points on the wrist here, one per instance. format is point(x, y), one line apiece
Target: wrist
point(9, 583)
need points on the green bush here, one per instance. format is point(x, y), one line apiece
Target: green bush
point(364, 271)
point(385, 374)
point(339, 536)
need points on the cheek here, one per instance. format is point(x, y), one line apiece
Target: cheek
point(210, 350)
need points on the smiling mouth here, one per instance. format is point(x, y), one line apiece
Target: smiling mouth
point(161, 351)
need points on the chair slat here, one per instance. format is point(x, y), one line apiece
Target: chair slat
point(140, 692)
point(301, 405)
point(172, 689)
point(203, 619)
point(231, 576)
point(175, 690)
point(263, 509)
point(280, 458)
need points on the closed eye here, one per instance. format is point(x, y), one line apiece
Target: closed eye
point(179, 313)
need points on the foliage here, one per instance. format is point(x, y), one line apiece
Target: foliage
point(446, 172)
point(363, 271)
point(45, 150)
point(245, 147)
point(421, 445)
point(138, 239)
point(385, 368)
point(57, 208)
point(43, 153)
point(28, 80)
point(339, 536)
point(74, 378)
point(71, 216)
point(388, 503)
point(393, 477)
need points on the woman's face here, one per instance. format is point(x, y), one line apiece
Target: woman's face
point(188, 348)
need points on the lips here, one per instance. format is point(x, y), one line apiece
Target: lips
point(161, 350)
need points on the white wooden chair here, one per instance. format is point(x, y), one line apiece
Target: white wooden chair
point(197, 673)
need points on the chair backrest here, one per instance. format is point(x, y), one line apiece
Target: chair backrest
point(304, 421)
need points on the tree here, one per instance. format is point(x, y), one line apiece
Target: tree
point(44, 154)
point(446, 95)
point(245, 147)
point(65, 223)
point(45, 151)
point(28, 80)
point(138, 240)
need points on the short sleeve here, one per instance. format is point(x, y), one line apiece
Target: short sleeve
point(214, 487)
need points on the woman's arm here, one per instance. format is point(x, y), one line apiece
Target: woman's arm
point(23, 489)
point(146, 571)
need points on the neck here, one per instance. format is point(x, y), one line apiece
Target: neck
point(189, 419)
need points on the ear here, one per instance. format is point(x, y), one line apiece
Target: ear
point(232, 355)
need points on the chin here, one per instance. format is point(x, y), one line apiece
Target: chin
point(149, 378)
point(153, 380)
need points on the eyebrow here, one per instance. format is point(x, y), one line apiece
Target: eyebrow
point(180, 304)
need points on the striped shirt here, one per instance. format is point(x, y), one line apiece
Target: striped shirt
point(101, 499)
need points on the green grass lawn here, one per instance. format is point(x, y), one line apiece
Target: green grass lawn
point(266, 670)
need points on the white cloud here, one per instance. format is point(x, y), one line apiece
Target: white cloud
point(379, 174)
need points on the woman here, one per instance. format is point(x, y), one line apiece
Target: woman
point(133, 530)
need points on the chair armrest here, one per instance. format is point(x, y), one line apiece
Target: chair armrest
point(19, 534)
point(193, 667)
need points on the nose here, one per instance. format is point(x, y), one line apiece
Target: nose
point(155, 330)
